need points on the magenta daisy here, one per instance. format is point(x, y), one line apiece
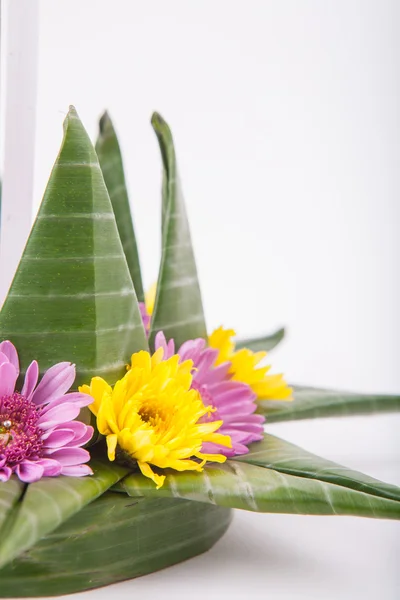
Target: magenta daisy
point(38, 434)
point(234, 402)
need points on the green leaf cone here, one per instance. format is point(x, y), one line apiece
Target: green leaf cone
point(275, 453)
point(263, 343)
point(72, 297)
point(311, 403)
point(178, 310)
point(109, 153)
point(112, 539)
point(239, 485)
point(48, 503)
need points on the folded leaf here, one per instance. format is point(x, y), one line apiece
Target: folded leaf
point(275, 453)
point(72, 297)
point(310, 403)
point(178, 309)
point(112, 539)
point(263, 343)
point(109, 153)
point(249, 487)
point(48, 503)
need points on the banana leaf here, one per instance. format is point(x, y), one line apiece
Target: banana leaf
point(10, 493)
point(178, 309)
point(72, 297)
point(49, 502)
point(311, 403)
point(250, 487)
point(275, 453)
point(112, 539)
point(109, 153)
point(264, 343)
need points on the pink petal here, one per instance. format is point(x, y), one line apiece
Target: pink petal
point(70, 456)
point(55, 383)
point(75, 398)
point(59, 414)
point(161, 342)
point(3, 358)
point(31, 378)
point(77, 471)
point(9, 350)
point(51, 468)
point(57, 438)
point(29, 471)
point(5, 473)
point(84, 439)
point(213, 375)
point(8, 378)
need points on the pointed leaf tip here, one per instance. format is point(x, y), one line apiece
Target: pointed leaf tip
point(105, 123)
point(158, 122)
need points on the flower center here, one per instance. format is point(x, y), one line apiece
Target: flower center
point(20, 435)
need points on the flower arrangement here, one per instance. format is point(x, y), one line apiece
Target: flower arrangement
point(139, 424)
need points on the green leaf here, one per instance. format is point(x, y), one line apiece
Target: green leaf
point(10, 492)
point(249, 487)
point(72, 297)
point(109, 153)
point(310, 403)
point(264, 343)
point(178, 309)
point(277, 454)
point(48, 503)
point(112, 539)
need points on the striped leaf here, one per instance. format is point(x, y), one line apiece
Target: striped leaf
point(10, 493)
point(113, 539)
point(109, 153)
point(239, 485)
point(49, 503)
point(178, 309)
point(277, 454)
point(72, 297)
point(264, 343)
point(310, 403)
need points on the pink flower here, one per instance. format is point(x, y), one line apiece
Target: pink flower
point(38, 434)
point(234, 401)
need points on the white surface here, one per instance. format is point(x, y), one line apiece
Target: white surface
point(20, 24)
point(286, 119)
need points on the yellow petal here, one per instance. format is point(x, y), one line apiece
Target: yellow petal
point(148, 472)
point(112, 440)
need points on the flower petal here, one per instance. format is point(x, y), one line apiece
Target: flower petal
point(57, 438)
point(77, 471)
point(9, 350)
point(31, 378)
point(29, 471)
point(5, 473)
point(70, 456)
point(51, 468)
point(8, 378)
point(59, 414)
point(76, 398)
point(55, 383)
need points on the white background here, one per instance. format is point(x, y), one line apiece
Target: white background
point(286, 119)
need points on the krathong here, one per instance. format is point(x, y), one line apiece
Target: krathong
point(175, 419)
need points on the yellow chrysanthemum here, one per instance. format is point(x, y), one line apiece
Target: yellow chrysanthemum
point(152, 416)
point(245, 367)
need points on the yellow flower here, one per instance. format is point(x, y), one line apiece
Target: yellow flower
point(153, 417)
point(245, 367)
